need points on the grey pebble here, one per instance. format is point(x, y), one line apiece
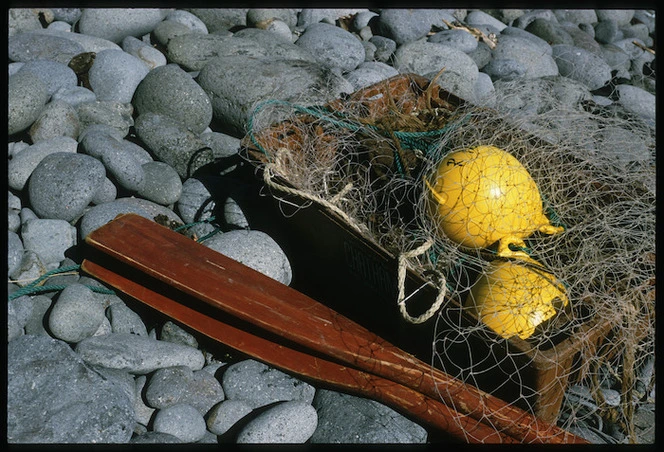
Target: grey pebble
point(369, 73)
point(404, 25)
point(576, 16)
point(369, 51)
point(385, 47)
point(525, 19)
point(36, 324)
point(115, 74)
point(114, 114)
point(221, 19)
point(22, 164)
point(477, 17)
point(107, 192)
point(29, 269)
point(169, 29)
point(428, 58)
point(57, 119)
point(114, 24)
point(170, 91)
point(581, 65)
point(137, 354)
point(19, 311)
point(101, 214)
point(550, 32)
point(235, 84)
point(258, 385)
point(504, 69)
point(63, 184)
point(49, 238)
point(53, 397)
point(149, 55)
point(59, 26)
point(535, 59)
point(173, 143)
point(607, 31)
point(286, 15)
point(162, 183)
point(171, 332)
point(53, 74)
point(74, 95)
point(233, 214)
point(26, 97)
point(69, 15)
point(224, 415)
point(459, 39)
point(179, 384)
point(343, 418)
point(309, 16)
point(125, 320)
point(224, 147)
point(332, 46)
point(256, 250)
point(620, 16)
point(34, 45)
point(188, 19)
point(182, 421)
point(119, 161)
point(197, 204)
point(142, 412)
point(279, 29)
point(14, 251)
point(21, 20)
point(77, 314)
point(193, 52)
point(290, 422)
point(638, 101)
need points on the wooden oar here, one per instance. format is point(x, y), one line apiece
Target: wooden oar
point(427, 410)
point(274, 307)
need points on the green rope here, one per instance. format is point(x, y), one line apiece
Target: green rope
point(35, 288)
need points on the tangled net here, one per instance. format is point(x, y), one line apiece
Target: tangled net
point(369, 158)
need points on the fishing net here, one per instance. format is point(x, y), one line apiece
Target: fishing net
point(534, 222)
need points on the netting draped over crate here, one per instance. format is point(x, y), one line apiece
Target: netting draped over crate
point(562, 194)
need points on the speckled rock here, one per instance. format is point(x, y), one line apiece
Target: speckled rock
point(226, 414)
point(332, 46)
point(182, 421)
point(22, 164)
point(287, 422)
point(76, 314)
point(115, 75)
point(114, 24)
point(57, 119)
point(27, 95)
point(179, 384)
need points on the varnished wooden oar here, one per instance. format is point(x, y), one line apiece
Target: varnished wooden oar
point(248, 295)
point(431, 412)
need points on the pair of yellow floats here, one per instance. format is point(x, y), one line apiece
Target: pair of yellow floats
point(482, 196)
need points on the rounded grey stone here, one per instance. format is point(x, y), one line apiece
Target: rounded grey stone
point(620, 16)
point(233, 214)
point(459, 39)
point(114, 24)
point(576, 16)
point(137, 354)
point(607, 31)
point(225, 415)
point(107, 192)
point(504, 69)
point(53, 74)
point(155, 438)
point(224, 147)
point(288, 422)
point(114, 114)
point(254, 249)
point(197, 204)
point(385, 47)
point(221, 19)
point(115, 75)
point(535, 58)
point(162, 183)
point(404, 25)
point(14, 251)
point(34, 45)
point(169, 29)
point(171, 332)
point(369, 73)
point(257, 15)
point(179, 384)
point(173, 143)
point(581, 65)
point(343, 418)
point(149, 55)
point(19, 311)
point(57, 119)
point(50, 239)
point(124, 320)
point(35, 325)
point(279, 29)
point(478, 17)
point(188, 19)
point(192, 52)
point(74, 95)
point(29, 269)
point(258, 385)
point(76, 314)
point(170, 91)
point(550, 32)
point(26, 97)
point(21, 166)
point(638, 101)
point(63, 184)
point(53, 397)
point(332, 46)
point(182, 421)
point(236, 84)
point(539, 43)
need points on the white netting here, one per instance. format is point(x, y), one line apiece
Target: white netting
point(368, 157)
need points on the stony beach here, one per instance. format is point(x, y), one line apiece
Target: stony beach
point(126, 110)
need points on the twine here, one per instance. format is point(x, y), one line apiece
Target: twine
point(401, 300)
